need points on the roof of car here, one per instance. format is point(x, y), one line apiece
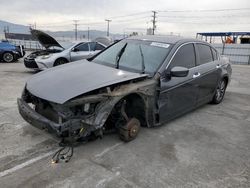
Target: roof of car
point(171, 39)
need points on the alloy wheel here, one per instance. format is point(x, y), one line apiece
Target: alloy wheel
point(8, 57)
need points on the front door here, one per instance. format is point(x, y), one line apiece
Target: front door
point(80, 52)
point(179, 94)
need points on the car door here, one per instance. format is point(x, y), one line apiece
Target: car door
point(92, 47)
point(179, 94)
point(208, 70)
point(99, 47)
point(80, 51)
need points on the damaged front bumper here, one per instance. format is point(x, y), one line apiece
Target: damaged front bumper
point(61, 129)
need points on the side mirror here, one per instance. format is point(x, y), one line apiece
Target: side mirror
point(179, 72)
point(75, 50)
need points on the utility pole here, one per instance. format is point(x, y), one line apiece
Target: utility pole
point(76, 25)
point(154, 21)
point(6, 29)
point(88, 33)
point(107, 20)
point(31, 26)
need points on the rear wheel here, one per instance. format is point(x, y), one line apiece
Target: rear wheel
point(220, 92)
point(60, 61)
point(8, 57)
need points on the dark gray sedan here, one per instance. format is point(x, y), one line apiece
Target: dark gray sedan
point(139, 81)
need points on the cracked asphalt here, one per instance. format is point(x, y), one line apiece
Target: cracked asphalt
point(209, 147)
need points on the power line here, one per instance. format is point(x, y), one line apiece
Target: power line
point(205, 23)
point(203, 16)
point(132, 20)
point(129, 15)
point(208, 10)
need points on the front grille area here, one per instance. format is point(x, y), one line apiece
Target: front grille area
point(30, 63)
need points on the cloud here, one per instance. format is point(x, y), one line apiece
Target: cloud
point(58, 15)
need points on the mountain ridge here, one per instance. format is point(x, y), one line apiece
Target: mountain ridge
point(19, 28)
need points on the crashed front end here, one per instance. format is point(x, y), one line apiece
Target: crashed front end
point(72, 119)
point(82, 116)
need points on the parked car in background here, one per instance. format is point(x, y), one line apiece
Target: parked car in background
point(57, 54)
point(9, 52)
point(139, 81)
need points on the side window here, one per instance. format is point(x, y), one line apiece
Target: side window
point(99, 46)
point(204, 53)
point(215, 56)
point(92, 46)
point(185, 57)
point(83, 47)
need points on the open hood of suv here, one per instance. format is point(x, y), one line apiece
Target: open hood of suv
point(62, 83)
point(45, 39)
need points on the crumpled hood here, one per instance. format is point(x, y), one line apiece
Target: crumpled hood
point(65, 82)
point(45, 39)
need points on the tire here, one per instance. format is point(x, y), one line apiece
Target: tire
point(220, 92)
point(8, 57)
point(130, 130)
point(60, 61)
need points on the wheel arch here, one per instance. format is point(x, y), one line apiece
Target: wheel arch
point(105, 112)
point(226, 78)
point(64, 58)
point(136, 106)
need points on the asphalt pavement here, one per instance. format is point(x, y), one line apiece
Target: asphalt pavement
point(209, 147)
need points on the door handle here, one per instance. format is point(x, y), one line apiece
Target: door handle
point(218, 66)
point(197, 74)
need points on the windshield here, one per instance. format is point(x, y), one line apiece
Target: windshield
point(135, 55)
point(65, 45)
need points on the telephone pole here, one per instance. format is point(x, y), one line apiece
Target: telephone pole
point(107, 20)
point(76, 25)
point(88, 33)
point(154, 21)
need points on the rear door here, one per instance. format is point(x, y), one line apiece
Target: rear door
point(208, 70)
point(179, 94)
point(81, 51)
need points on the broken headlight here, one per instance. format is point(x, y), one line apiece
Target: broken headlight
point(46, 56)
point(86, 109)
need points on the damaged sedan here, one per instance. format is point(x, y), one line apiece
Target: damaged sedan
point(139, 81)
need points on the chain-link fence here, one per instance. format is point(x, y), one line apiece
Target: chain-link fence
point(28, 44)
point(237, 53)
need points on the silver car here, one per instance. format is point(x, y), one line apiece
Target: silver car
point(57, 54)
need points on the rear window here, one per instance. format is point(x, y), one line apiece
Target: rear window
point(204, 53)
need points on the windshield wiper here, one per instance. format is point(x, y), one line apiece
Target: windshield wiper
point(118, 57)
point(142, 61)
